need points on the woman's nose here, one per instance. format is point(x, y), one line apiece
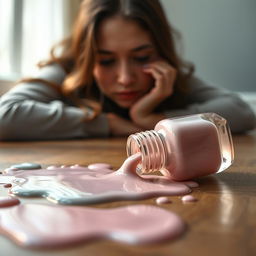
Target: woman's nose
point(126, 74)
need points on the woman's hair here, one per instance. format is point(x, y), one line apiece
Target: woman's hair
point(78, 51)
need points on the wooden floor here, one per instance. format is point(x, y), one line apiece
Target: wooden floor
point(222, 222)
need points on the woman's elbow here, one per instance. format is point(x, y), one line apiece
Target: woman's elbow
point(4, 131)
point(243, 119)
point(7, 124)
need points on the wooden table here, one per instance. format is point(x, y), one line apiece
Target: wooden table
point(222, 222)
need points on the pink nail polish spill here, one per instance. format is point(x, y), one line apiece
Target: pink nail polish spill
point(48, 226)
point(99, 166)
point(80, 185)
point(55, 226)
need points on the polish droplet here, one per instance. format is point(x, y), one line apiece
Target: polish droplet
point(188, 198)
point(163, 200)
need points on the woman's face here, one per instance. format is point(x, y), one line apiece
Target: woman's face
point(123, 49)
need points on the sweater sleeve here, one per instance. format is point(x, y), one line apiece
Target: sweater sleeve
point(204, 98)
point(35, 111)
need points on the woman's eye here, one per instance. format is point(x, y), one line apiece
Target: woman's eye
point(107, 62)
point(142, 59)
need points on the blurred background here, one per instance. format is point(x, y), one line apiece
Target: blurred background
point(218, 36)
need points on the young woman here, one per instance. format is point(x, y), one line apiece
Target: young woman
point(118, 73)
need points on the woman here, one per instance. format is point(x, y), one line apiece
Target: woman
point(118, 73)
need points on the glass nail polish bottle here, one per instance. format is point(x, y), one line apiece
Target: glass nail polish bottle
point(184, 147)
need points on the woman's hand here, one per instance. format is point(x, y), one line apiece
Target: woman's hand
point(120, 126)
point(142, 111)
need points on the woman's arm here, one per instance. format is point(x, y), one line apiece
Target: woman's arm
point(205, 98)
point(200, 98)
point(32, 111)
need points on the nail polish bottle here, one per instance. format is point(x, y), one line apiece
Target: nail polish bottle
point(184, 147)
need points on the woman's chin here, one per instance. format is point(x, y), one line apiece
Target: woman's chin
point(126, 105)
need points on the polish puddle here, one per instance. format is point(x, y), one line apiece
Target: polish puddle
point(77, 185)
point(52, 226)
point(67, 223)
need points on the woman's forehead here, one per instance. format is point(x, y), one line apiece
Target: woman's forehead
point(117, 32)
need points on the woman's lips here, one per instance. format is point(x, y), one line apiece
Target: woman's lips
point(127, 95)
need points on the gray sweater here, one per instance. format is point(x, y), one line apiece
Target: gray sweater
point(32, 111)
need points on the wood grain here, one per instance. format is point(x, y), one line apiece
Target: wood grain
point(222, 222)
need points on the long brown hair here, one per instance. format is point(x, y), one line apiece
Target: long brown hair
point(78, 51)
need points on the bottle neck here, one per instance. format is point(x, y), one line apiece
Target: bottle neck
point(151, 145)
